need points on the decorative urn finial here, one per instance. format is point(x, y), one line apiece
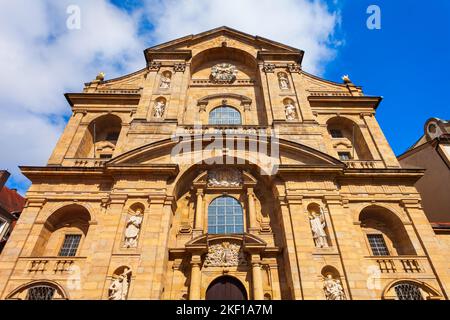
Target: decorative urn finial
point(346, 79)
point(100, 76)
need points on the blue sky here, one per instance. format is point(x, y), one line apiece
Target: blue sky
point(406, 62)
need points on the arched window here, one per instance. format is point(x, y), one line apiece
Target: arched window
point(225, 216)
point(41, 293)
point(38, 290)
point(225, 115)
point(408, 291)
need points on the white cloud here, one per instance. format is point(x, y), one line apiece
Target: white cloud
point(304, 24)
point(40, 58)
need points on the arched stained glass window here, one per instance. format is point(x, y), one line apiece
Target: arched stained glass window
point(225, 115)
point(225, 216)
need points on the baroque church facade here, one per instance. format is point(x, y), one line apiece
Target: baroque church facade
point(222, 170)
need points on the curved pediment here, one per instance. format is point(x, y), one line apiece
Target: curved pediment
point(249, 240)
point(196, 149)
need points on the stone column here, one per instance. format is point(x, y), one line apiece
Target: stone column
point(258, 292)
point(195, 285)
point(252, 211)
point(199, 213)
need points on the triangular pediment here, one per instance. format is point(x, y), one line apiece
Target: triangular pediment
point(191, 41)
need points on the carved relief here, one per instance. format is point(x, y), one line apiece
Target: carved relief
point(225, 178)
point(224, 254)
point(283, 81)
point(318, 225)
point(154, 66)
point(118, 290)
point(269, 67)
point(159, 109)
point(289, 108)
point(333, 288)
point(224, 72)
point(294, 68)
point(165, 81)
point(179, 67)
point(133, 229)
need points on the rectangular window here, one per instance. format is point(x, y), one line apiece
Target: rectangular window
point(70, 245)
point(112, 136)
point(335, 133)
point(378, 245)
point(3, 226)
point(344, 156)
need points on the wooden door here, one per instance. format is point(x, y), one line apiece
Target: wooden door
point(226, 288)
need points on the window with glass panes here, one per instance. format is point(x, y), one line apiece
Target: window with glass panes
point(378, 245)
point(70, 245)
point(336, 133)
point(225, 115)
point(225, 216)
point(407, 291)
point(40, 293)
point(344, 156)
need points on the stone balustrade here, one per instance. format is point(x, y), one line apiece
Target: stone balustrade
point(402, 264)
point(364, 164)
point(51, 265)
point(84, 162)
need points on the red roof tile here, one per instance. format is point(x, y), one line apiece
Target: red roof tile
point(10, 200)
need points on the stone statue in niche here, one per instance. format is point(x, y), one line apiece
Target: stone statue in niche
point(118, 290)
point(224, 255)
point(224, 72)
point(160, 108)
point(133, 229)
point(318, 225)
point(290, 111)
point(284, 81)
point(165, 81)
point(225, 178)
point(333, 288)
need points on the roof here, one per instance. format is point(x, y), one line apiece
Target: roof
point(11, 201)
point(441, 130)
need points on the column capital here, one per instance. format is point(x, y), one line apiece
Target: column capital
point(411, 203)
point(35, 202)
point(333, 199)
point(294, 199)
point(255, 259)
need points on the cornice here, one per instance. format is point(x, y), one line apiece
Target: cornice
point(102, 98)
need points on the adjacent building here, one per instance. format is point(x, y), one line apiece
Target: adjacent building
point(223, 170)
point(11, 205)
point(432, 152)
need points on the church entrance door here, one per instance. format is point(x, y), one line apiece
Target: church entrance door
point(226, 288)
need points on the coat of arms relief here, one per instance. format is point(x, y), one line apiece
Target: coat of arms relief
point(225, 178)
point(224, 72)
point(224, 254)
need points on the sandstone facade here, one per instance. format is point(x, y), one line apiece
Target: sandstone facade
point(115, 183)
